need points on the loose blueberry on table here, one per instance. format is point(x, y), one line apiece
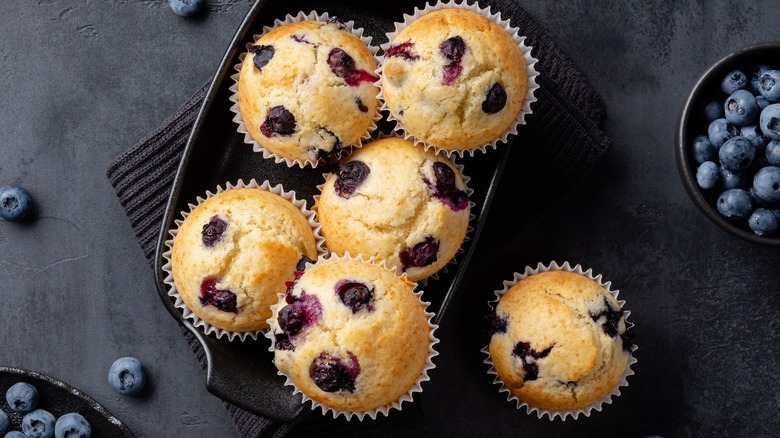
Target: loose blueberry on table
point(127, 376)
point(72, 425)
point(38, 424)
point(185, 8)
point(15, 203)
point(22, 397)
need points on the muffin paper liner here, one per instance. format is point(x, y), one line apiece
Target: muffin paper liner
point(173, 291)
point(241, 128)
point(562, 414)
point(469, 228)
point(384, 410)
point(530, 64)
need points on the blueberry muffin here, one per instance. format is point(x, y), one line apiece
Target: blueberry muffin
point(397, 202)
point(233, 254)
point(454, 79)
point(559, 341)
point(306, 90)
point(352, 335)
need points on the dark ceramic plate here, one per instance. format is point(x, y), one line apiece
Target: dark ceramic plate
point(60, 399)
point(691, 123)
point(242, 372)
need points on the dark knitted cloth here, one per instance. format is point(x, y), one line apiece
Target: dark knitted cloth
point(562, 143)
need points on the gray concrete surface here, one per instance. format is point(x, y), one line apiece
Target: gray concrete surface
point(81, 81)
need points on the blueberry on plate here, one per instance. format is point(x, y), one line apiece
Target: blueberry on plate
point(773, 152)
point(733, 180)
point(762, 222)
point(741, 108)
point(713, 111)
point(721, 130)
point(735, 204)
point(767, 183)
point(769, 121)
point(22, 397)
point(737, 154)
point(72, 425)
point(4, 422)
point(770, 85)
point(733, 81)
point(38, 424)
point(185, 8)
point(15, 203)
point(707, 175)
point(127, 376)
point(703, 150)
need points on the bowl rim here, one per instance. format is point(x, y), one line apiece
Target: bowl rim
point(682, 149)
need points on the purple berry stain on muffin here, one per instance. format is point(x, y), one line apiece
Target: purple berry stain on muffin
point(495, 99)
point(278, 121)
point(445, 189)
point(355, 295)
point(300, 39)
point(212, 231)
point(261, 55)
point(421, 254)
point(608, 319)
point(529, 357)
point(361, 106)
point(452, 49)
point(496, 323)
point(331, 373)
point(349, 177)
point(222, 299)
point(301, 312)
point(343, 66)
point(403, 51)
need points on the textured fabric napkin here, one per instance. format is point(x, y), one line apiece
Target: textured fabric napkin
point(554, 153)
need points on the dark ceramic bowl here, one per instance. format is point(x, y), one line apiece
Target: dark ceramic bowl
point(692, 122)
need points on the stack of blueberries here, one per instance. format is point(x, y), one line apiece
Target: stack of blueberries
point(740, 155)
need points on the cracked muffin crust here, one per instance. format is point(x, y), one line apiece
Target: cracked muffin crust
point(559, 341)
point(306, 90)
point(233, 254)
point(397, 202)
point(351, 335)
point(454, 79)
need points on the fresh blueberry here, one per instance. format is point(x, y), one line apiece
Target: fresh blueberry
point(72, 425)
point(4, 422)
point(707, 175)
point(15, 434)
point(773, 152)
point(770, 121)
point(185, 8)
point(776, 212)
point(770, 85)
point(733, 180)
point(755, 78)
point(757, 202)
point(762, 222)
point(737, 154)
point(127, 376)
point(719, 131)
point(22, 397)
point(38, 424)
point(350, 177)
point(703, 150)
point(421, 254)
point(331, 373)
point(262, 55)
point(403, 51)
point(15, 203)
point(223, 299)
point(741, 108)
point(756, 137)
point(735, 204)
point(530, 357)
point(733, 81)
point(212, 231)
point(767, 183)
point(278, 121)
point(762, 102)
point(355, 295)
point(495, 99)
point(713, 111)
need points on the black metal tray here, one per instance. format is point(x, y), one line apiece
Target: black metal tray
point(242, 373)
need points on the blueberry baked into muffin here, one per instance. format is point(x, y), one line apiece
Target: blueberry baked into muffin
point(352, 335)
point(559, 341)
point(454, 79)
point(306, 90)
point(397, 202)
point(234, 253)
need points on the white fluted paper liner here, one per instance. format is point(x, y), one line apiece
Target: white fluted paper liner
point(469, 229)
point(598, 404)
point(384, 410)
point(173, 292)
point(530, 65)
point(241, 128)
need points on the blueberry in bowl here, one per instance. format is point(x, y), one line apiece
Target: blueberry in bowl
point(738, 138)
